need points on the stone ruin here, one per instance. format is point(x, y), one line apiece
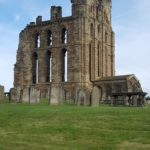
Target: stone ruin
point(1, 92)
point(70, 58)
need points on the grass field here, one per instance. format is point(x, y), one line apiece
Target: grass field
point(68, 127)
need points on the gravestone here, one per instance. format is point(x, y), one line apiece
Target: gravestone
point(1, 92)
point(95, 96)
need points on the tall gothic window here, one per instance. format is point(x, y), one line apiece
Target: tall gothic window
point(64, 65)
point(37, 40)
point(35, 68)
point(64, 36)
point(49, 66)
point(98, 58)
point(97, 12)
point(49, 38)
point(90, 63)
point(98, 29)
point(91, 30)
point(106, 37)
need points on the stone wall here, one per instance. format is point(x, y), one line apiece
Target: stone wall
point(62, 58)
point(1, 92)
point(65, 52)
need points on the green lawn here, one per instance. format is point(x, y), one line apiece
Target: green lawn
point(66, 127)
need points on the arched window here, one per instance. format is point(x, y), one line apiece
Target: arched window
point(98, 59)
point(91, 30)
point(35, 68)
point(90, 52)
point(98, 29)
point(49, 66)
point(106, 37)
point(37, 40)
point(64, 36)
point(97, 12)
point(49, 38)
point(64, 65)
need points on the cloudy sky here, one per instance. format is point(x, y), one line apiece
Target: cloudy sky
point(131, 23)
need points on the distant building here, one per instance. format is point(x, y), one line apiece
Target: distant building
point(70, 58)
point(1, 92)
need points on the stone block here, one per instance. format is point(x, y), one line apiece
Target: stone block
point(95, 96)
point(81, 97)
point(56, 94)
point(15, 94)
point(26, 95)
point(34, 95)
point(1, 92)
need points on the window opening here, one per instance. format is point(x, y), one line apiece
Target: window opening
point(90, 49)
point(91, 29)
point(49, 38)
point(35, 68)
point(37, 41)
point(64, 36)
point(49, 67)
point(98, 59)
point(64, 65)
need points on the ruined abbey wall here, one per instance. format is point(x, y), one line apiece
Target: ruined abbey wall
point(62, 58)
point(1, 92)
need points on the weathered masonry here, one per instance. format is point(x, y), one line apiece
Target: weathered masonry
point(70, 58)
point(1, 92)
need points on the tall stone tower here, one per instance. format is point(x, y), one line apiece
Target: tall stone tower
point(94, 38)
point(64, 58)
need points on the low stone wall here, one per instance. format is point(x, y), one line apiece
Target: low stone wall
point(1, 92)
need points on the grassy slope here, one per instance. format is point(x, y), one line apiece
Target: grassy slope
point(43, 127)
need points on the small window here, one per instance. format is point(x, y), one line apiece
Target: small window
point(64, 36)
point(49, 38)
point(97, 12)
point(90, 63)
point(106, 37)
point(37, 40)
point(98, 59)
point(49, 66)
point(91, 30)
point(98, 29)
point(35, 68)
point(64, 65)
